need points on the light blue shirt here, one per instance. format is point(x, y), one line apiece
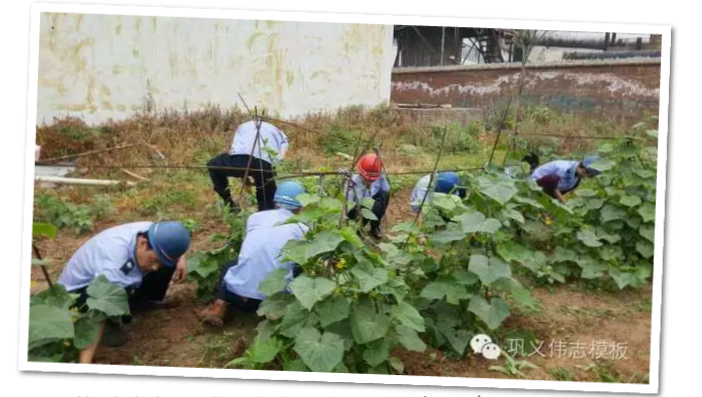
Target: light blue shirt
point(420, 190)
point(272, 138)
point(261, 252)
point(358, 190)
point(565, 169)
point(112, 252)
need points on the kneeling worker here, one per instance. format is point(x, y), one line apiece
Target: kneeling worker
point(370, 182)
point(260, 254)
point(141, 257)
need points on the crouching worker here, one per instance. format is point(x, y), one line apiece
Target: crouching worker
point(259, 155)
point(444, 182)
point(260, 254)
point(370, 182)
point(559, 177)
point(141, 257)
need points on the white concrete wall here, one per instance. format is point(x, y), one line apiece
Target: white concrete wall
point(97, 66)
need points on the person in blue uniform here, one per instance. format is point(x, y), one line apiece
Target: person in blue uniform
point(260, 254)
point(141, 257)
point(560, 177)
point(444, 182)
point(262, 156)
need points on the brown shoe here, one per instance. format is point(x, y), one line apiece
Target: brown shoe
point(214, 315)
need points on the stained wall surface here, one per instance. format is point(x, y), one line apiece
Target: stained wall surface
point(624, 90)
point(99, 67)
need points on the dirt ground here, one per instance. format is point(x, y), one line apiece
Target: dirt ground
point(576, 326)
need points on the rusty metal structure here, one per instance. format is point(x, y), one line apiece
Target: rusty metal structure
point(441, 45)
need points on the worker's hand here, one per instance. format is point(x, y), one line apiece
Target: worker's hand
point(179, 274)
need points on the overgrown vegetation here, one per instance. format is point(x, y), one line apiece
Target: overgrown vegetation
point(357, 303)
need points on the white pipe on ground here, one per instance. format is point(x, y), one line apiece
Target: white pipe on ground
point(74, 181)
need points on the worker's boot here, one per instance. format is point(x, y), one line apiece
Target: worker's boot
point(214, 315)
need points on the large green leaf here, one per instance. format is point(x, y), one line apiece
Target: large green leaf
point(476, 222)
point(489, 270)
point(648, 232)
point(309, 291)
point(295, 251)
point(377, 352)
point(275, 304)
point(274, 282)
point(500, 191)
point(647, 212)
point(464, 277)
point(591, 268)
point(493, 313)
point(56, 296)
point(603, 165)
point(459, 340)
point(369, 278)
point(106, 297)
point(595, 204)
point(434, 290)
point(589, 238)
point(629, 201)
point(611, 213)
point(325, 241)
point(295, 366)
point(49, 323)
point(409, 339)
point(448, 235)
point(265, 350)
point(306, 199)
point(611, 238)
point(513, 214)
point(622, 278)
point(368, 214)
point(645, 249)
point(320, 352)
point(368, 325)
point(332, 310)
point(409, 316)
point(586, 193)
point(294, 319)
point(86, 331)
point(455, 293)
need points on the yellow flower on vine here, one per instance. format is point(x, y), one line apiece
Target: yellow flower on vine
point(32, 284)
point(341, 264)
point(548, 221)
point(66, 343)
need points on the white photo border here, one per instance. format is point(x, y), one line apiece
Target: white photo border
point(654, 369)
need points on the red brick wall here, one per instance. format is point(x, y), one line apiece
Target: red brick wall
point(617, 90)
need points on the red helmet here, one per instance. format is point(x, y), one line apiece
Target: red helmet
point(370, 166)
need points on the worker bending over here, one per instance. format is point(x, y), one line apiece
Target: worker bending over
point(444, 182)
point(258, 155)
point(371, 182)
point(559, 177)
point(260, 255)
point(141, 257)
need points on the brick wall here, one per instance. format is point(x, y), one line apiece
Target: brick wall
point(622, 90)
point(440, 117)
